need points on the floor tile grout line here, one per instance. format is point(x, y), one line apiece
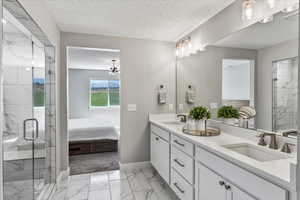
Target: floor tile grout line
point(109, 187)
point(130, 187)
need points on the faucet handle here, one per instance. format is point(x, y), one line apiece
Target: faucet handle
point(261, 141)
point(286, 147)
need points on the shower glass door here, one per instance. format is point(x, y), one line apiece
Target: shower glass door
point(285, 87)
point(24, 114)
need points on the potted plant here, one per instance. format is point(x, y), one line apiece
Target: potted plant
point(229, 114)
point(199, 114)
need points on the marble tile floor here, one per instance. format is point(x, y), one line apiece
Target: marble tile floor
point(142, 184)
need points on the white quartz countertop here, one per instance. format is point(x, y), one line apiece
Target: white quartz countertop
point(280, 172)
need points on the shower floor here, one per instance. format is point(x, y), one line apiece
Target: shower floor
point(89, 163)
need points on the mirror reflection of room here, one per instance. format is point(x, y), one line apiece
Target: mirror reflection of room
point(253, 70)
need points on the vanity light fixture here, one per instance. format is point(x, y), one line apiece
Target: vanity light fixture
point(248, 9)
point(267, 19)
point(184, 47)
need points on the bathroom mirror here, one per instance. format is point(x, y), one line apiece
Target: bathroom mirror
point(254, 70)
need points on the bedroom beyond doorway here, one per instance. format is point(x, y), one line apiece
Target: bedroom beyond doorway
point(94, 109)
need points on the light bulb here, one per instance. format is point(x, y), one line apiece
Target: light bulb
point(177, 52)
point(248, 9)
point(271, 3)
point(4, 21)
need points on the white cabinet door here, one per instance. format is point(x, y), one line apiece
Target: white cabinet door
point(208, 185)
point(236, 194)
point(160, 156)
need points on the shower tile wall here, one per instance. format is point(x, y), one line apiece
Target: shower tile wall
point(285, 94)
point(17, 102)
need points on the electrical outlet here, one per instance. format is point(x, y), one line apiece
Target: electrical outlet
point(131, 107)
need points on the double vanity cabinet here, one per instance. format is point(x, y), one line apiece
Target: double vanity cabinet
point(195, 173)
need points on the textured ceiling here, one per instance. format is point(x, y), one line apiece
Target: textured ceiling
point(165, 20)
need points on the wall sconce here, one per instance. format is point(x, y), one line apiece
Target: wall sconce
point(184, 47)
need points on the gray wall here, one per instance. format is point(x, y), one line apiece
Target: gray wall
point(145, 65)
point(79, 96)
point(265, 58)
point(204, 71)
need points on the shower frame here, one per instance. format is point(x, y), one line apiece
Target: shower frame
point(17, 10)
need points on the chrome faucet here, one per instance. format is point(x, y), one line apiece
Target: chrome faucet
point(183, 117)
point(273, 142)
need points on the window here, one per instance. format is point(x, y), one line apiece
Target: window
point(38, 92)
point(104, 93)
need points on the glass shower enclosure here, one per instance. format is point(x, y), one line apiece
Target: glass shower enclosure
point(285, 88)
point(28, 110)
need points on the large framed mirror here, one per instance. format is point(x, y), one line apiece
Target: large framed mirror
point(253, 71)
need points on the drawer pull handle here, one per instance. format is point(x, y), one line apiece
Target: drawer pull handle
point(179, 163)
point(227, 187)
point(178, 188)
point(176, 141)
point(221, 183)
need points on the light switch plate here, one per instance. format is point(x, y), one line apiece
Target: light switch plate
point(171, 107)
point(131, 107)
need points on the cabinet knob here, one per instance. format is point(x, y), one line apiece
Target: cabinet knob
point(221, 183)
point(157, 138)
point(227, 187)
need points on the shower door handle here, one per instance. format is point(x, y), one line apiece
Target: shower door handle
point(34, 136)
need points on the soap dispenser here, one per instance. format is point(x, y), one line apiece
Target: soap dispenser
point(162, 95)
point(190, 95)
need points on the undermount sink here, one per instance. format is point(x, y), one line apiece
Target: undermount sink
point(256, 152)
point(173, 123)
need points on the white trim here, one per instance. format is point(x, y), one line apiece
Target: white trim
point(135, 165)
point(62, 176)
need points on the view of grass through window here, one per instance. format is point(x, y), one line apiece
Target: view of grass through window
point(104, 93)
point(38, 92)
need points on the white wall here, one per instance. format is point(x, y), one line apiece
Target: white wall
point(265, 58)
point(79, 97)
point(145, 65)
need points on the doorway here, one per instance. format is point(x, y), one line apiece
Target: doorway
point(94, 109)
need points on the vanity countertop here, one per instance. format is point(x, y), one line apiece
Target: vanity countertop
point(281, 172)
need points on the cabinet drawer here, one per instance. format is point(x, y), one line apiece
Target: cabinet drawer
point(245, 180)
point(183, 164)
point(160, 132)
point(181, 187)
point(183, 145)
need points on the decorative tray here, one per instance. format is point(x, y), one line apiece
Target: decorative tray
point(210, 131)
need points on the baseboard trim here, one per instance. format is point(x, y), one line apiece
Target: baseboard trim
point(62, 176)
point(135, 165)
